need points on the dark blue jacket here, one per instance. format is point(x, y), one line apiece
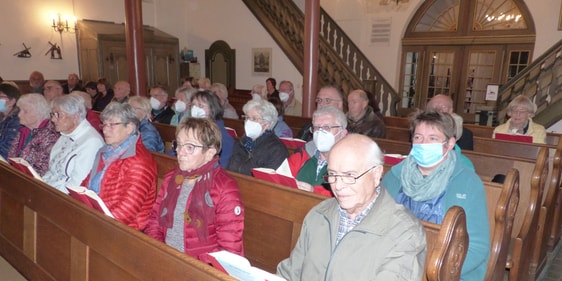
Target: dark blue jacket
point(150, 137)
point(9, 129)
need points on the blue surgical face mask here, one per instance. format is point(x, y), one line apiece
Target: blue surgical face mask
point(427, 154)
point(3, 107)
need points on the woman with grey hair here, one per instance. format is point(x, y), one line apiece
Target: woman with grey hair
point(74, 152)
point(37, 136)
point(521, 110)
point(124, 172)
point(260, 147)
point(149, 135)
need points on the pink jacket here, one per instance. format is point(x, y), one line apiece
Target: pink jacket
point(225, 232)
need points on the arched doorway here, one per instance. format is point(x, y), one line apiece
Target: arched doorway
point(460, 47)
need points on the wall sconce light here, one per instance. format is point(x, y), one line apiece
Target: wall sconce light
point(61, 25)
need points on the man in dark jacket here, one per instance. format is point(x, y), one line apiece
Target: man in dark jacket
point(361, 118)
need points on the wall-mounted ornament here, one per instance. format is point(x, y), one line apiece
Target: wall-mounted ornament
point(24, 53)
point(55, 51)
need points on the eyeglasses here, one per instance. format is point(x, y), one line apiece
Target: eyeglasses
point(189, 147)
point(347, 179)
point(326, 100)
point(110, 125)
point(518, 112)
point(323, 128)
point(254, 119)
point(430, 139)
point(55, 115)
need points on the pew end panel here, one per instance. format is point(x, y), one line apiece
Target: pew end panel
point(447, 246)
point(502, 201)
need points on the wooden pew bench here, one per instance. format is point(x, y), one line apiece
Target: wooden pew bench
point(275, 213)
point(47, 235)
point(548, 222)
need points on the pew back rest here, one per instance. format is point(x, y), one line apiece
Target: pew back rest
point(167, 133)
point(48, 235)
point(502, 201)
point(488, 132)
point(447, 245)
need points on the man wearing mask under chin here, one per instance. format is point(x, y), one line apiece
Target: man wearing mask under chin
point(161, 112)
point(433, 178)
point(260, 147)
point(309, 165)
point(287, 95)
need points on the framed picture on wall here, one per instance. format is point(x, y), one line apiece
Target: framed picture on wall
point(492, 92)
point(261, 61)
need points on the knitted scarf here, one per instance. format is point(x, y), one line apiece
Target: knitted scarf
point(201, 210)
point(420, 187)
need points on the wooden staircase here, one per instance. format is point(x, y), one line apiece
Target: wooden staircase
point(341, 63)
point(541, 81)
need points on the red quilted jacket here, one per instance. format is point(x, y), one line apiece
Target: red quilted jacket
point(128, 187)
point(225, 232)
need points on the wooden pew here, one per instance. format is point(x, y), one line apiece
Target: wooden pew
point(237, 125)
point(47, 235)
point(548, 194)
point(395, 121)
point(398, 134)
point(274, 216)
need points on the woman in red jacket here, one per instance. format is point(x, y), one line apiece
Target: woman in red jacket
point(124, 172)
point(198, 209)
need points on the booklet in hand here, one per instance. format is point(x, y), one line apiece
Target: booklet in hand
point(88, 197)
point(239, 267)
point(24, 166)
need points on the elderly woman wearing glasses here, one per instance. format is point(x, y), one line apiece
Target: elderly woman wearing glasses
point(433, 178)
point(124, 172)
point(260, 147)
point(37, 136)
point(520, 111)
point(198, 209)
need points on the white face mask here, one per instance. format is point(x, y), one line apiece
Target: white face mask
point(252, 129)
point(197, 112)
point(154, 103)
point(180, 106)
point(324, 140)
point(284, 97)
point(256, 96)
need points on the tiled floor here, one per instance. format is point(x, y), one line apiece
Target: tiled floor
point(554, 265)
point(8, 273)
point(554, 273)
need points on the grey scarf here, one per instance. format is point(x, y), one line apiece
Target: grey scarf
point(421, 188)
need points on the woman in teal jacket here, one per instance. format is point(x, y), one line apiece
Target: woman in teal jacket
point(433, 178)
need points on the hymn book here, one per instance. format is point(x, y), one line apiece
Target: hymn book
point(393, 159)
point(292, 143)
point(89, 197)
point(281, 176)
point(510, 137)
point(239, 267)
point(24, 166)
